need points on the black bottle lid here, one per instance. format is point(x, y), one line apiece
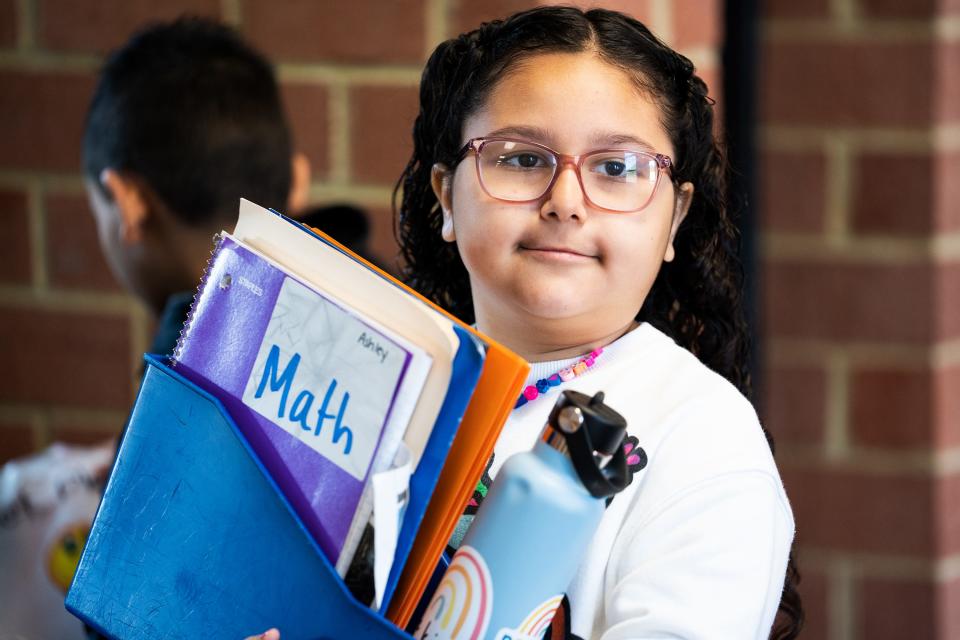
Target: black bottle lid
point(594, 435)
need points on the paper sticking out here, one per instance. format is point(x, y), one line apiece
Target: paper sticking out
point(390, 498)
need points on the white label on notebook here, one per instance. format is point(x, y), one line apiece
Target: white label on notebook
point(325, 377)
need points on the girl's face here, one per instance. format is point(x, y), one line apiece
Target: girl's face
point(558, 273)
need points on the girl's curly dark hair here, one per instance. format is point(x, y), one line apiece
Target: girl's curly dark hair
point(697, 299)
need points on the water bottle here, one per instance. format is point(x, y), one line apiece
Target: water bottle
point(508, 577)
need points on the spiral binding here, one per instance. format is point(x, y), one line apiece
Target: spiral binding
point(185, 329)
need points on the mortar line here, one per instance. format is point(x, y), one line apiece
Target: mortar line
point(437, 24)
point(340, 124)
point(27, 15)
point(661, 16)
point(232, 13)
point(836, 419)
point(40, 277)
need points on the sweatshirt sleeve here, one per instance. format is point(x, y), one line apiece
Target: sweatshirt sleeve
point(708, 562)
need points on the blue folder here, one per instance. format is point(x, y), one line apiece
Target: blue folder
point(193, 539)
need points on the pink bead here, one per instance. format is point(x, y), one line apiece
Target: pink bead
point(567, 374)
point(531, 393)
point(588, 361)
point(596, 353)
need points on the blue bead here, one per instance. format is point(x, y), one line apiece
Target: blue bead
point(542, 386)
point(522, 401)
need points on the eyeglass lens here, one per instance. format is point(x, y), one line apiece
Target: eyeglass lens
point(616, 180)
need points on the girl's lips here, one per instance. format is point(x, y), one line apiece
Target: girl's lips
point(559, 254)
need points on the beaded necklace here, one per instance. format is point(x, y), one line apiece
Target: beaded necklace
point(533, 391)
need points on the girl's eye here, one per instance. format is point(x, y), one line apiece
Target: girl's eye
point(521, 160)
point(613, 168)
point(621, 167)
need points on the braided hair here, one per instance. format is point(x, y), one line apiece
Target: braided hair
point(697, 299)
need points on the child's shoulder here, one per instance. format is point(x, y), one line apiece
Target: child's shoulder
point(680, 409)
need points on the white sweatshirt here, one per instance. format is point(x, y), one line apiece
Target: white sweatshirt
point(696, 547)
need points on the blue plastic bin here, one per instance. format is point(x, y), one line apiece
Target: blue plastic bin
point(194, 540)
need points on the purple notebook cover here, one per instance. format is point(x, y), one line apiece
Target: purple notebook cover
point(253, 336)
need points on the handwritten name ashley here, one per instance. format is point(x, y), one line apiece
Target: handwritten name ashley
point(303, 403)
point(370, 343)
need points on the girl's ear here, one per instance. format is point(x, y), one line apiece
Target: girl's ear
point(440, 180)
point(680, 209)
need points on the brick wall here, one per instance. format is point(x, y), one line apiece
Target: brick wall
point(70, 339)
point(860, 154)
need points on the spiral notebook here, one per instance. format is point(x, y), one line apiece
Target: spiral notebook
point(323, 395)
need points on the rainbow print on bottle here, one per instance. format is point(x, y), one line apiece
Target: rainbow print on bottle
point(535, 624)
point(463, 601)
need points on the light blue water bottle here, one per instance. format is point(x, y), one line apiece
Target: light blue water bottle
point(508, 577)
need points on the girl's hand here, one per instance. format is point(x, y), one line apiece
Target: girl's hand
point(269, 634)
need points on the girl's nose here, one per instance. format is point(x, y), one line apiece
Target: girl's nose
point(565, 200)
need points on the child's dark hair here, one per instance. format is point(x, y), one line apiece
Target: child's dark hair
point(697, 299)
point(196, 113)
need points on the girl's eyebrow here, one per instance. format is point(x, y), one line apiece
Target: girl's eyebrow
point(599, 139)
point(536, 134)
point(613, 139)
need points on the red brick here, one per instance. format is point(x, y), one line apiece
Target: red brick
point(307, 110)
point(467, 15)
point(893, 194)
point(836, 301)
point(795, 404)
point(893, 609)
point(15, 230)
point(382, 126)
point(860, 512)
point(638, 9)
point(65, 25)
point(696, 23)
point(948, 605)
point(946, 406)
point(947, 188)
point(862, 84)
point(80, 360)
point(16, 441)
point(948, 515)
point(41, 119)
point(948, 82)
point(893, 9)
point(906, 408)
point(792, 9)
point(814, 593)
point(356, 32)
point(641, 10)
point(892, 408)
point(793, 191)
point(8, 23)
point(74, 257)
point(947, 282)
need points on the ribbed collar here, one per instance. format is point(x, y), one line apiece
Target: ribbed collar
point(546, 369)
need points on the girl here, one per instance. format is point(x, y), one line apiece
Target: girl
point(566, 194)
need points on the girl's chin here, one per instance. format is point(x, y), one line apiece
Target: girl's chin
point(560, 305)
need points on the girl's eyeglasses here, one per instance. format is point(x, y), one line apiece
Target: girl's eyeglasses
point(616, 180)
